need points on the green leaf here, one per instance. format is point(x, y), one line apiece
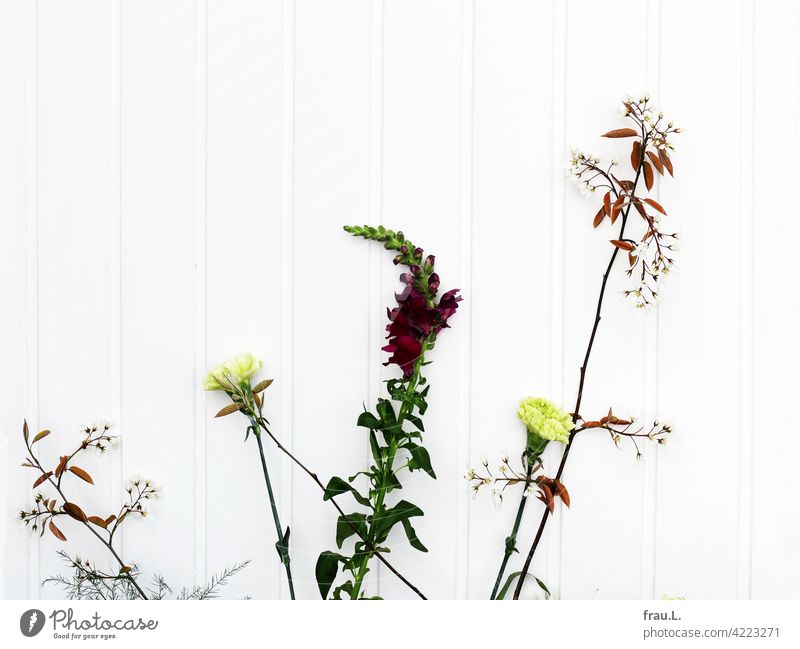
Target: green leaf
point(282, 547)
point(346, 587)
point(368, 420)
point(374, 446)
point(386, 412)
point(337, 486)
point(412, 536)
point(513, 576)
point(326, 571)
point(542, 586)
point(390, 517)
point(420, 459)
point(416, 421)
point(344, 530)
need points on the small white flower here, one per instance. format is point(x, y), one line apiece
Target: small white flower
point(497, 497)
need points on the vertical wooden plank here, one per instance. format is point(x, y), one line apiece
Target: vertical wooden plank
point(699, 373)
point(776, 511)
point(158, 275)
point(331, 188)
point(423, 197)
point(611, 515)
point(75, 303)
point(245, 161)
point(513, 174)
point(17, 202)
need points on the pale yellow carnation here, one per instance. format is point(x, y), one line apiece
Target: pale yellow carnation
point(545, 420)
point(234, 372)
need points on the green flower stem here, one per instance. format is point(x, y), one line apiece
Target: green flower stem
point(511, 540)
point(281, 545)
point(386, 469)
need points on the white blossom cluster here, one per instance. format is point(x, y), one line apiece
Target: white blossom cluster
point(651, 262)
point(583, 170)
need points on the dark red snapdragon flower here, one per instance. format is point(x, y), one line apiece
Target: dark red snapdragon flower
point(417, 315)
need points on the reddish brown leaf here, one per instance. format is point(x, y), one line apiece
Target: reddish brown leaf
point(263, 385)
point(656, 162)
point(616, 208)
point(548, 495)
point(562, 492)
point(607, 203)
point(41, 479)
point(25, 431)
point(592, 424)
point(622, 245)
point(110, 519)
point(636, 154)
point(621, 132)
point(98, 521)
point(640, 208)
point(81, 474)
point(75, 512)
point(598, 218)
point(56, 532)
point(631, 259)
point(655, 205)
point(665, 159)
point(648, 175)
point(230, 408)
point(62, 465)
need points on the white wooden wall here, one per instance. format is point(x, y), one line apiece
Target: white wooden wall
point(173, 181)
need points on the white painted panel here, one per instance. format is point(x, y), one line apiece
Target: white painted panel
point(605, 484)
point(18, 270)
point(422, 167)
point(329, 284)
point(75, 257)
point(243, 273)
point(159, 276)
point(175, 178)
point(776, 511)
point(700, 320)
point(513, 203)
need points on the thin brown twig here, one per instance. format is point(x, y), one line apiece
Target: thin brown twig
point(576, 410)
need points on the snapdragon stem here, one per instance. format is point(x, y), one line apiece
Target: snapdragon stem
point(405, 409)
point(589, 347)
point(283, 550)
